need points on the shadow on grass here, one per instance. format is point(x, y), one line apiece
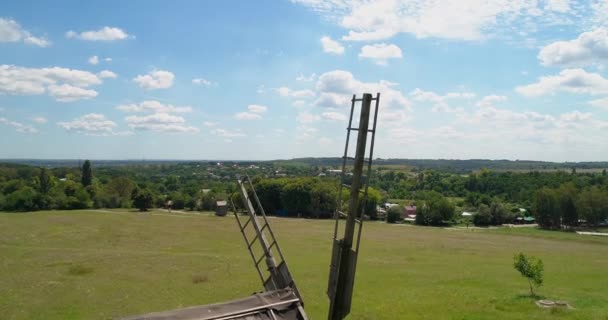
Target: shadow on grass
point(79, 270)
point(532, 297)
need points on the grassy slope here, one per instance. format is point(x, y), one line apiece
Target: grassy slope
point(100, 265)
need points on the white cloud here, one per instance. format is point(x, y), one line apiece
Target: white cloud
point(108, 59)
point(94, 124)
point(440, 103)
point(447, 19)
point(107, 74)
point(590, 48)
point(202, 82)
point(489, 101)
point(103, 34)
point(247, 116)
point(40, 120)
point(331, 46)
point(298, 103)
point(306, 117)
point(558, 5)
point(325, 141)
point(160, 122)
point(600, 103)
point(93, 60)
point(226, 133)
point(11, 31)
point(56, 81)
point(209, 124)
point(68, 93)
point(19, 127)
point(287, 92)
point(335, 89)
point(304, 78)
point(158, 79)
point(153, 106)
point(334, 116)
point(254, 108)
point(380, 52)
point(568, 80)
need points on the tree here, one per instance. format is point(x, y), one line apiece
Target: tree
point(546, 209)
point(394, 214)
point(567, 197)
point(44, 181)
point(531, 268)
point(87, 175)
point(482, 217)
point(592, 205)
point(142, 199)
point(436, 210)
point(498, 212)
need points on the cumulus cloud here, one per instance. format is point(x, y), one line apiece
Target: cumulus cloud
point(93, 60)
point(19, 127)
point(490, 100)
point(226, 133)
point(568, 80)
point(304, 78)
point(202, 82)
point(335, 89)
point(158, 79)
point(209, 124)
point(287, 92)
point(40, 120)
point(461, 20)
point(61, 83)
point(94, 124)
point(331, 46)
point(103, 34)
point(307, 117)
point(153, 106)
point(254, 108)
point(159, 122)
point(334, 116)
point(254, 112)
point(600, 103)
point(107, 74)
point(67, 93)
point(11, 31)
point(247, 116)
point(440, 103)
point(380, 52)
point(558, 5)
point(590, 48)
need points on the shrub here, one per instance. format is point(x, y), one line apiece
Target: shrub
point(394, 214)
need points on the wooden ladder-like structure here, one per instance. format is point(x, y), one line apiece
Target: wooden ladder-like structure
point(345, 248)
point(262, 244)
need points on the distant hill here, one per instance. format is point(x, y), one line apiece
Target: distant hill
point(447, 165)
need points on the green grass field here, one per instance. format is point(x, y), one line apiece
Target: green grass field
point(108, 264)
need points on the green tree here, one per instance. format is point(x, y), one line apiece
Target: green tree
point(44, 181)
point(592, 205)
point(436, 210)
point(546, 209)
point(87, 175)
point(483, 216)
point(567, 197)
point(531, 268)
point(499, 213)
point(142, 199)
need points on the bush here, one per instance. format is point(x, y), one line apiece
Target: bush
point(394, 214)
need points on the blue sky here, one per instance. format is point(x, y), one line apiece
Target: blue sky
point(272, 79)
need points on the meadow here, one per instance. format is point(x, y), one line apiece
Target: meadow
point(105, 264)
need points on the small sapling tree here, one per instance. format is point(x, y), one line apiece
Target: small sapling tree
point(531, 268)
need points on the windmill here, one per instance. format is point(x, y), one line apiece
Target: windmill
point(281, 298)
